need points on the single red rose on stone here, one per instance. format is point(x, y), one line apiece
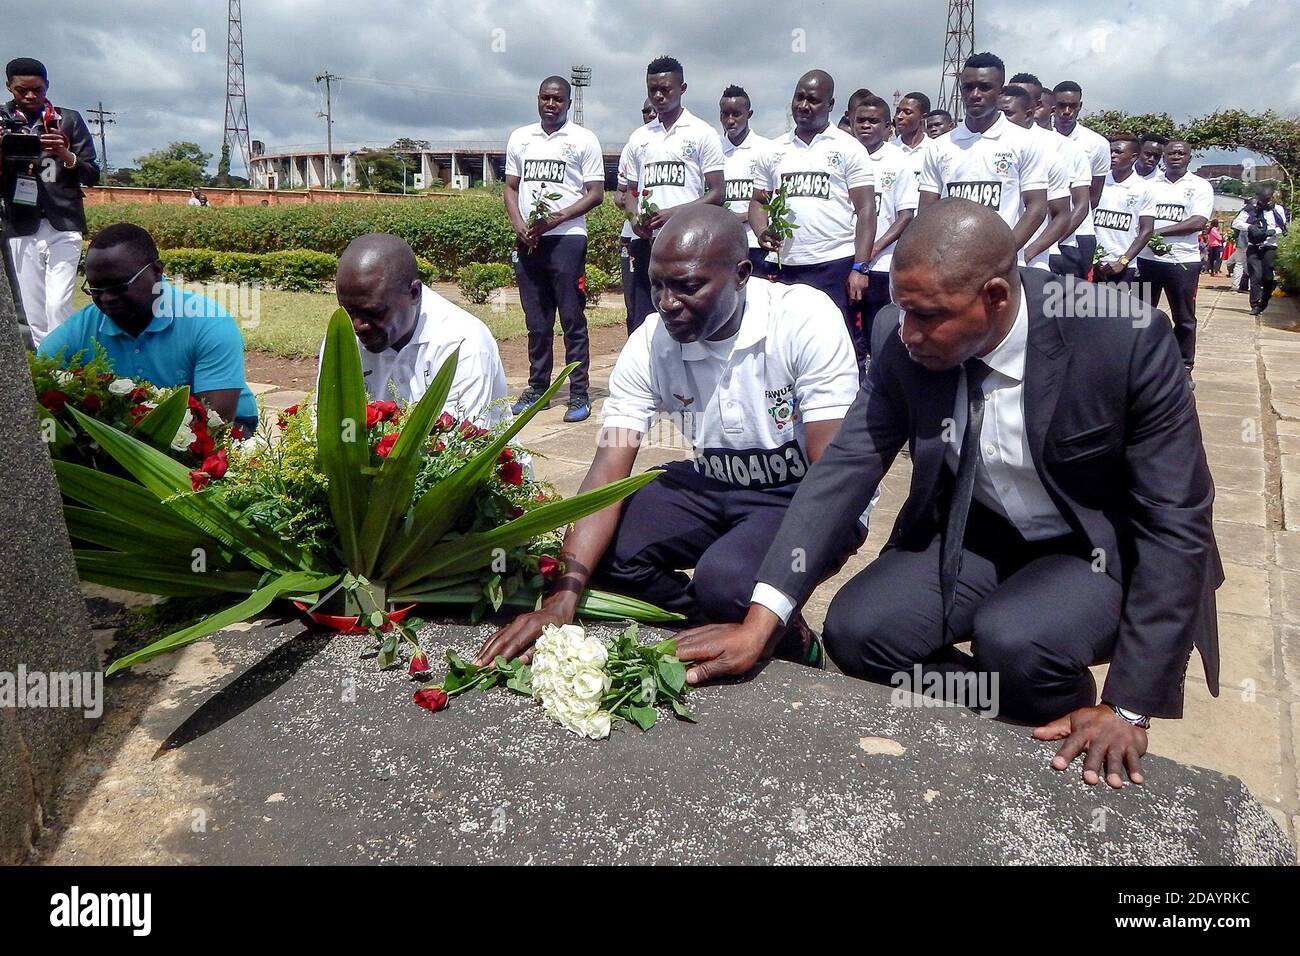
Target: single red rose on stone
point(431, 698)
point(385, 444)
point(419, 665)
point(512, 473)
point(506, 455)
point(54, 400)
point(198, 480)
point(92, 403)
point(216, 464)
point(548, 567)
point(445, 422)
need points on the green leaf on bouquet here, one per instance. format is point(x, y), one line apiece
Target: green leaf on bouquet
point(644, 716)
point(342, 446)
point(673, 673)
point(160, 426)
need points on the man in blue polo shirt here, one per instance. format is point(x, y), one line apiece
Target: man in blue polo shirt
point(153, 331)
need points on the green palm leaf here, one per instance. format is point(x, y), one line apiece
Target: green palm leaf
point(171, 578)
point(160, 426)
point(112, 532)
point(342, 444)
point(295, 582)
point(131, 503)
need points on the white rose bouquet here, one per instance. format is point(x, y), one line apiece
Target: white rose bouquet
point(583, 684)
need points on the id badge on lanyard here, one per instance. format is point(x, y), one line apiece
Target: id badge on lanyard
point(25, 191)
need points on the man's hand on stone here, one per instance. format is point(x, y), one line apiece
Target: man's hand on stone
point(1111, 743)
point(720, 650)
point(517, 638)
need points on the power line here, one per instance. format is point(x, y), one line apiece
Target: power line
point(101, 119)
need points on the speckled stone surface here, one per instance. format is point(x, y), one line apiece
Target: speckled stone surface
point(295, 749)
point(42, 618)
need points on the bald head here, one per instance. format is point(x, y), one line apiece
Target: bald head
point(378, 285)
point(698, 270)
point(821, 79)
point(961, 243)
point(814, 97)
point(381, 257)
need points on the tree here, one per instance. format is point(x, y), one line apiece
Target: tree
point(1110, 122)
point(1275, 137)
point(179, 166)
point(407, 143)
point(379, 171)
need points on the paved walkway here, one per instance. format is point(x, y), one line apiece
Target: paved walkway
point(1248, 395)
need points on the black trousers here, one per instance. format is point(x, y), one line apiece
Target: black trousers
point(1037, 614)
point(685, 520)
point(1075, 260)
point(550, 279)
point(830, 277)
point(1215, 254)
point(642, 302)
point(876, 298)
point(1177, 281)
point(1259, 267)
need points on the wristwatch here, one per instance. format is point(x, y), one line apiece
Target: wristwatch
point(863, 267)
point(1128, 716)
point(1123, 262)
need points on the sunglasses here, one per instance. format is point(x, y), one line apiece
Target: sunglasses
point(116, 289)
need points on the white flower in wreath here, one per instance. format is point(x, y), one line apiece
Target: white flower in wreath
point(62, 376)
point(214, 420)
point(184, 438)
point(121, 386)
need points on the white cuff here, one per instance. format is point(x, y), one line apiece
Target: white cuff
point(775, 601)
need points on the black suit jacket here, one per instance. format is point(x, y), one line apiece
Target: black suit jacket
point(1116, 442)
point(59, 201)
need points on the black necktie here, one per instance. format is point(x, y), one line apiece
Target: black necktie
point(964, 488)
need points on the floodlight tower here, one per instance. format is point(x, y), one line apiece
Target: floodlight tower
point(579, 79)
point(958, 45)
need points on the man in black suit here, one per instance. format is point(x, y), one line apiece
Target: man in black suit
point(44, 218)
point(1079, 531)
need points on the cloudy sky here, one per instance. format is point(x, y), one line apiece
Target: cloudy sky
point(161, 65)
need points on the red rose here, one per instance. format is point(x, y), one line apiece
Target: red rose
point(470, 431)
point(106, 378)
point(291, 410)
point(439, 445)
point(431, 698)
point(236, 432)
point(419, 665)
point(372, 415)
point(445, 422)
point(385, 444)
point(92, 403)
point(216, 464)
point(548, 566)
point(387, 411)
point(506, 455)
point(139, 394)
point(582, 284)
point(198, 480)
point(138, 413)
point(516, 512)
point(540, 496)
point(198, 409)
point(54, 400)
point(512, 473)
point(203, 445)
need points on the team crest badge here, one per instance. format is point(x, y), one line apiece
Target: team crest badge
point(782, 413)
point(688, 150)
point(1003, 164)
point(835, 159)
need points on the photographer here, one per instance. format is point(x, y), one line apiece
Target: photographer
point(1262, 222)
point(46, 156)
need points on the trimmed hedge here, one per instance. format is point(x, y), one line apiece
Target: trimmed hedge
point(297, 270)
point(478, 280)
point(1288, 262)
point(598, 282)
point(449, 233)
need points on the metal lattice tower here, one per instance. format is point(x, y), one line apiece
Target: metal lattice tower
point(958, 45)
point(236, 131)
point(580, 79)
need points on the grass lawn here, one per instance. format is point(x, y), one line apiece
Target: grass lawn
point(292, 324)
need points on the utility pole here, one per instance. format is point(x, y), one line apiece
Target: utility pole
point(958, 45)
point(101, 119)
point(328, 77)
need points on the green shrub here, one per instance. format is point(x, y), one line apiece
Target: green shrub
point(195, 265)
point(448, 232)
point(598, 281)
point(477, 280)
point(298, 270)
point(1288, 262)
point(429, 273)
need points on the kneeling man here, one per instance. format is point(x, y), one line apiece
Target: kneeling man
point(758, 376)
point(1059, 511)
point(407, 331)
point(154, 331)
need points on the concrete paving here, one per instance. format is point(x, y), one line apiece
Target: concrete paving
point(1250, 412)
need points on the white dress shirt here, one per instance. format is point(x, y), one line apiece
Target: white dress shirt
point(1006, 480)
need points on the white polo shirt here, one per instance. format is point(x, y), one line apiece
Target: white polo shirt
point(915, 154)
point(671, 163)
point(1096, 150)
point(1118, 212)
point(1059, 172)
point(560, 162)
point(624, 168)
point(817, 177)
point(739, 172)
point(992, 168)
point(1190, 196)
point(896, 191)
point(441, 326)
point(742, 403)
